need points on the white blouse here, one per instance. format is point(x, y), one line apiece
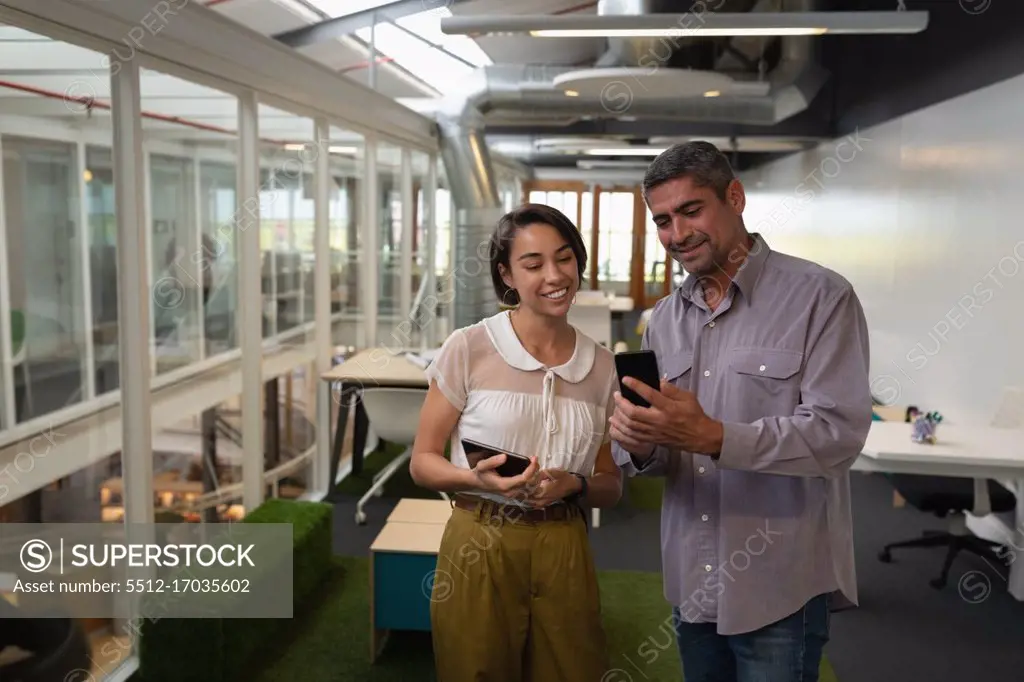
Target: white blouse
point(511, 401)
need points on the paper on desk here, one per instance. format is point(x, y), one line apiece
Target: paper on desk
point(421, 359)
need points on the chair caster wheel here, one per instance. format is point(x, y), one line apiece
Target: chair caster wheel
point(885, 556)
point(361, 518)
point(937, 583)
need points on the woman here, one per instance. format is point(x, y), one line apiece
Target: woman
point(515, 594)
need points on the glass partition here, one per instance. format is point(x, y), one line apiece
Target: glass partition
point(389, 240)
point(347, 151)
point(192, 162)
point(287, 163)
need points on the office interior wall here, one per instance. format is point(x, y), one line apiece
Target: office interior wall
point(922, 215)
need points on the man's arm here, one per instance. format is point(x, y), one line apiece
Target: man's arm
point(828, 429)
point(654, 463)
point(637, 465)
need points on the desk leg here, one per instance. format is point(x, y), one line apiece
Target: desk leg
point(1015, 581)
point(339, 434)
point(360, 429)
point(378, 638)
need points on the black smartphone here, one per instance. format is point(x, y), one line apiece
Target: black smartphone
point(513, 465)
point(641, 365)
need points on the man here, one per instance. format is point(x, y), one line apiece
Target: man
point(763, 407)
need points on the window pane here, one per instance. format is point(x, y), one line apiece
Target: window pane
point(616, 241)
point(286, 222)
point(346, 151)
point(341, 8)
point(427, 25)
point(389, 240)
point(192, 158)
point(44, 275)
point(430, 65)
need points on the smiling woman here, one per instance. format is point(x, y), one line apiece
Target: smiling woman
point(521, 381)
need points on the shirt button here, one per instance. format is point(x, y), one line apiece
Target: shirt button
point(707, 567)
point(700, 470)
point(703, 517)
point(762, 368)
point(707, 372)
point(711, 323)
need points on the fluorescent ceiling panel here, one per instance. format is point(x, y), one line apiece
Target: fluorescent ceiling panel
point(708, 24)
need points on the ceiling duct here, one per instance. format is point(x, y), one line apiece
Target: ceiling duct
point(535, 93)
point(635, 51)
point(531, 92)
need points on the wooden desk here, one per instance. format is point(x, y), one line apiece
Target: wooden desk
point(412, 510)
point(961, 451)
point(403, 569)
point(371, 367)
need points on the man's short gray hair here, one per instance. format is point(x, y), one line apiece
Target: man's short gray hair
point(701, 161)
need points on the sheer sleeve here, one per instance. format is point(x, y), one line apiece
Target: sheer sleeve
point(450, 369)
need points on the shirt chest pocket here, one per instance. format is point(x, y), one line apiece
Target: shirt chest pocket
point(677, 369)
point(764, 381)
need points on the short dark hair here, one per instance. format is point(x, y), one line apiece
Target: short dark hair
point(505, 233)
point(697, 159)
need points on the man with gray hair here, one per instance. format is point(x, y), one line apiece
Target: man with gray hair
point(764, 404)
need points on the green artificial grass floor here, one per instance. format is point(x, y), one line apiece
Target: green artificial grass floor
point(332, 642)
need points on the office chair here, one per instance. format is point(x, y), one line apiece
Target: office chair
point(951, 497)
point(394, 415)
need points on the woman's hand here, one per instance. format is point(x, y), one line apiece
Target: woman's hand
point(485, 478)
point(555, 485)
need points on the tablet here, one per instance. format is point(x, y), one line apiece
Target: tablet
point(514, 465)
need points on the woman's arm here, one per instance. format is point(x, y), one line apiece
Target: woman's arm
point(605, 486)
point(432, 470)
point(429, 467)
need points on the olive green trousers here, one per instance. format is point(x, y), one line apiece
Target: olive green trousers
point(514, 601)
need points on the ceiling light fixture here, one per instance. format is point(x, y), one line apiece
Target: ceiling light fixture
point(342, 150)
point(571, 93)
point(693, 24)
point(625, 151)
point(713, 93)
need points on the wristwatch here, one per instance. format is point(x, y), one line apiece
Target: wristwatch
point(584, 486)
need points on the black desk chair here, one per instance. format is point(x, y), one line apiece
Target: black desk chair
point(945, 496)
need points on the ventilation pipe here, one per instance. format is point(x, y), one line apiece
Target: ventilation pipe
point(470, 175)
point(529, 91)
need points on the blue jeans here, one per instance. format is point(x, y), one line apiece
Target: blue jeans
point(788, 650)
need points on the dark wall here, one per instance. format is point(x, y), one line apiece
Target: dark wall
point(880, 77)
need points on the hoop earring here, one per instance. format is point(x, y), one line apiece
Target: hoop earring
point(515, 295)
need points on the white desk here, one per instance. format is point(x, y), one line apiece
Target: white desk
point(961, 451)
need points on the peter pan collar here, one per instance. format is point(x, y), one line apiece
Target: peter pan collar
point(512, 351)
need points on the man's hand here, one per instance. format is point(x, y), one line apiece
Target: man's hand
point(675, 418)
point(555, 485)
point(485, 478)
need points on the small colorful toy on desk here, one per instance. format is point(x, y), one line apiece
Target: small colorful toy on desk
point(924, 427)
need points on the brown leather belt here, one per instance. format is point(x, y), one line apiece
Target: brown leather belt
point(514, 513)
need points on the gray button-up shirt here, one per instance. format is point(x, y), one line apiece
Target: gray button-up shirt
point(748, 538)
